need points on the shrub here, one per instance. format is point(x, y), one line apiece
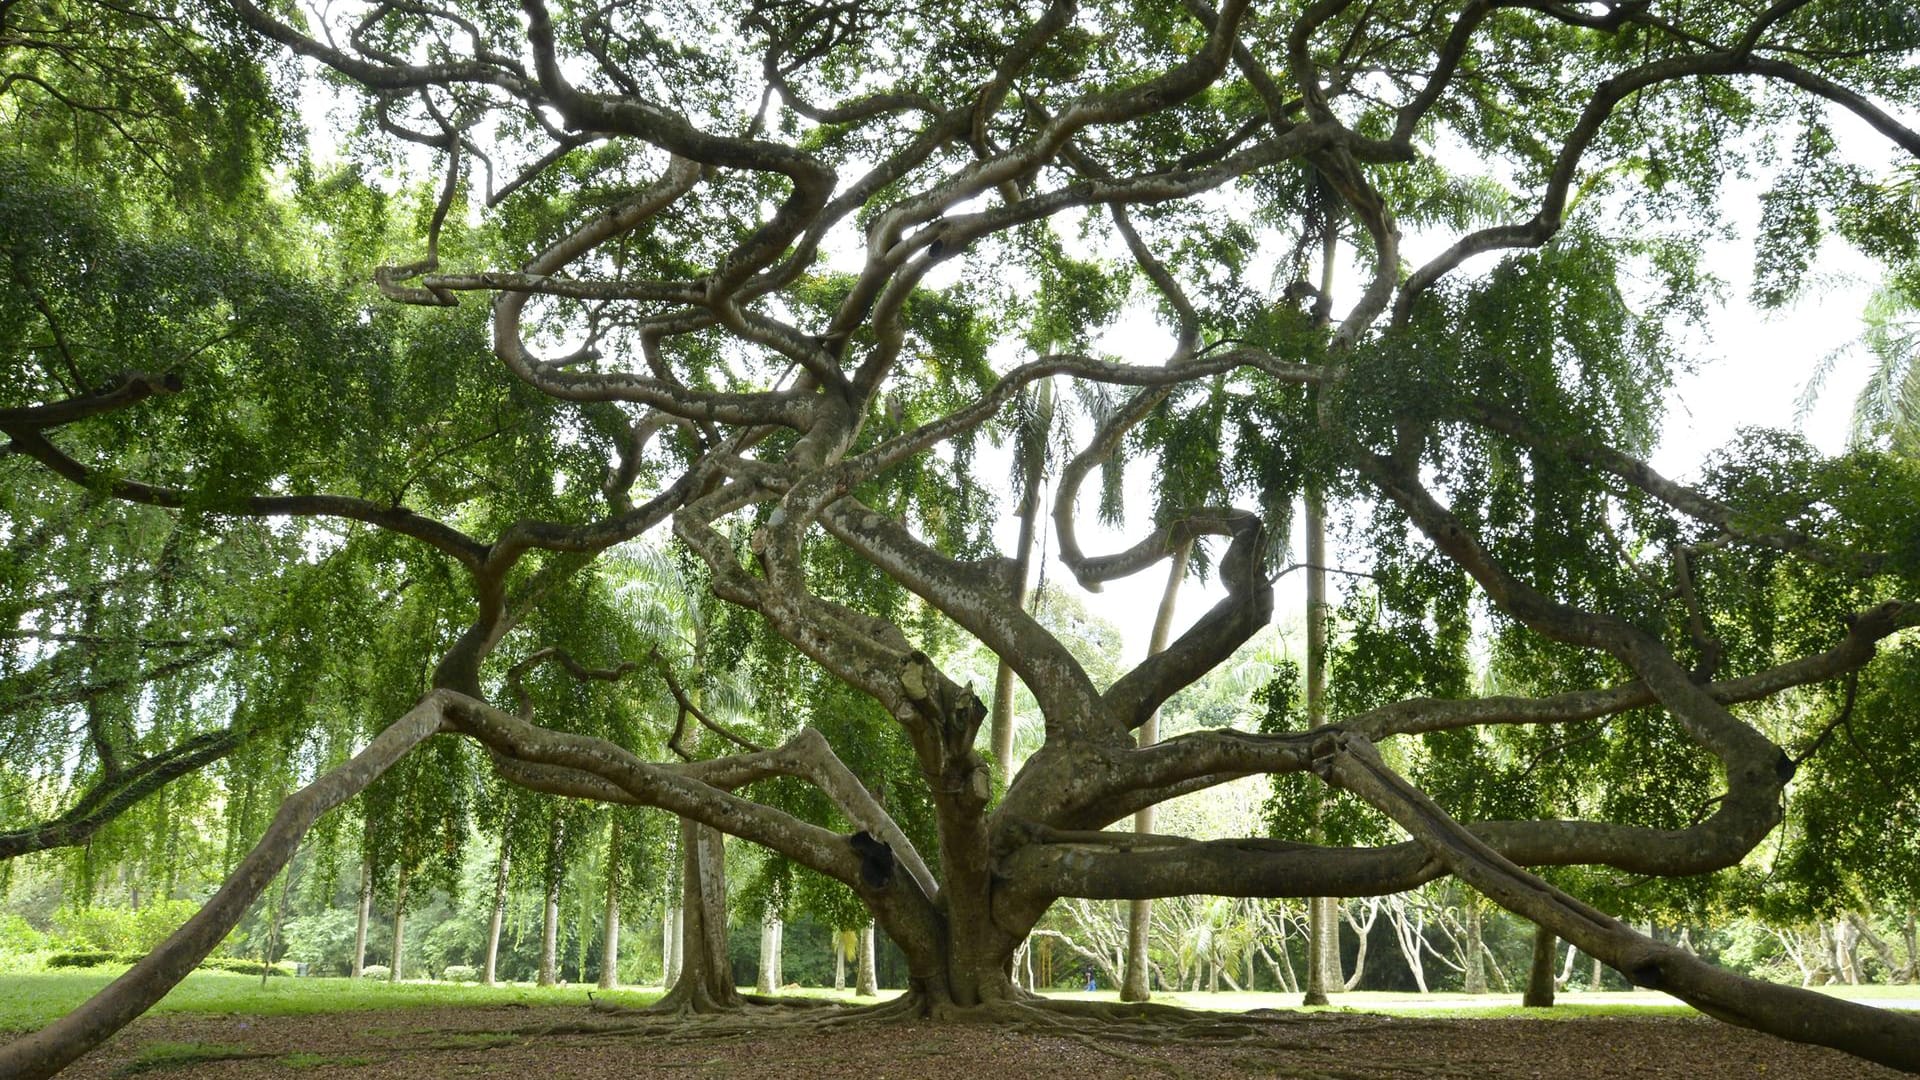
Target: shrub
point(461, 973)
point(97, 929)
point(18, 936)
point(324, 940)
point(380, 972)
point(158, 920)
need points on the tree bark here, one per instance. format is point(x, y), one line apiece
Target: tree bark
point(1135, 984)
point(1846, 951)
point(1323, 918)
point(1540, 977)
point(398, 956)
point(671, 959)
point(550, 917)
point(365, 916)
point(704, 980)
point(610, 931)
point(839, 961)
point(1475, 977)
point(866, 984)
point(1882, 951)
point(1362, 932)
point(489, 974)
point(1911, 934)
point(767, 981)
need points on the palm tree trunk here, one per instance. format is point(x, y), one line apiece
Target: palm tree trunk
point(610, 931)
point(1032, 451)
point(1134, 984)
point(866, 984)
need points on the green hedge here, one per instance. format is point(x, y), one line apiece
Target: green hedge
point(96, 958)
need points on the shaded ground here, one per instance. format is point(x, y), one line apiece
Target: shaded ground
point(506, 1041)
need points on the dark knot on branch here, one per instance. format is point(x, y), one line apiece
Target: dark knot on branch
point(876, 859)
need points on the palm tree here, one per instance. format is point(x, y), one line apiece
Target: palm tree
point(1887, 412)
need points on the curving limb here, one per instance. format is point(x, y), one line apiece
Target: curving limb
point(1883, 1035)
point(59, 1044)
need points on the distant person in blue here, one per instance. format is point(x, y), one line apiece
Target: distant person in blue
point(1091, 985)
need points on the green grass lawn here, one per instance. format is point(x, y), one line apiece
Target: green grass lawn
point(31, 1000)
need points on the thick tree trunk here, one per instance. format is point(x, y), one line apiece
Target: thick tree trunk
point(365, 916)
point(1476, 966)
point(489, 974)
point(1134, 985)
point(1540, 977)
point(839, 961)
point(398, 956)
point(1599, 975)
point(704, 981)
point(866, 984)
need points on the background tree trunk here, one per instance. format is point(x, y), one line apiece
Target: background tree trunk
point(704, 980)
point(1323, 913)
point(366, 915)
point(839, 960)
point(489, 974)
point(399, 926)
point(866, 984)
point(610, 931)
point(1540, 977)
point(1475, 977)
point(550, 918)
point(672, 952)
point(1912, 935)
point(1135, 984)
point(1363, 933)
point(1032, 451)
point(1846, 951)
point(768, 981)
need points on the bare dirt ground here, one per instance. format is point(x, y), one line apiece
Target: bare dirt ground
point(516, 1042)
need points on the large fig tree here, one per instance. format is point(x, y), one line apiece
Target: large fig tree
point(777, 273)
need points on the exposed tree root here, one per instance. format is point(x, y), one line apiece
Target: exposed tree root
point(1288, 1044)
